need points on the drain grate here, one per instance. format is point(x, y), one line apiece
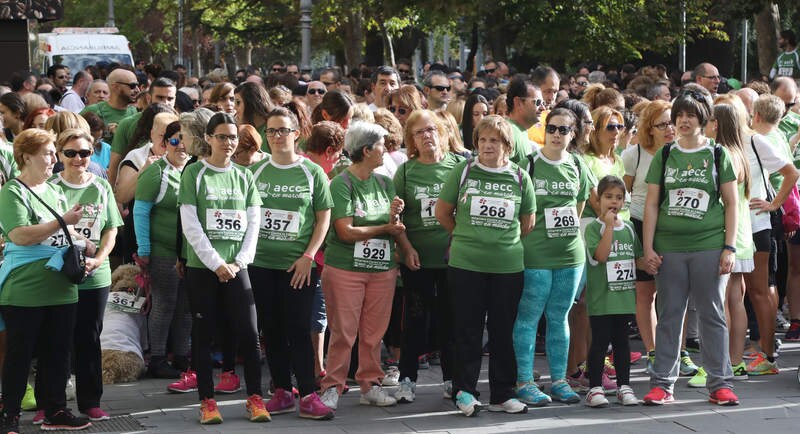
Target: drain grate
point(117, 424)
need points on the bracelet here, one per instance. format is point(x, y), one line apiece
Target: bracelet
point(729, 248)
point(306, 255)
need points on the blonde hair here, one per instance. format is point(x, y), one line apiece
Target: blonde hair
point(385, 118)
point(651, 112)
point(456, 108)
point(406, 95)
point(71, 134)
point(600, 116)
point(500, 126)
point(65, 120)
point(597, 95)
point(29, 142)
point(738, 104)
point(455, 142)
point(361, 112)
point(413, 119)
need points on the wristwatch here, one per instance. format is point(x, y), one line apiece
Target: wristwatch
point(728, 247)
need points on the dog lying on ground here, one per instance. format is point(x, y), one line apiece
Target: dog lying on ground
point(121, 339)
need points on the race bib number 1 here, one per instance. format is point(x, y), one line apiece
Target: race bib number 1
point(493, 212)
point(688, 202)
point(225, 224)
point(621, 275)
point(374, 254)
point(561, 222)
point(427, 211)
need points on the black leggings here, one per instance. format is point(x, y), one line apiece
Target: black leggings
point(610, 329)
point(214, 303)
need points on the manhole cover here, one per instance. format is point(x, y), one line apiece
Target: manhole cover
point(117, 424)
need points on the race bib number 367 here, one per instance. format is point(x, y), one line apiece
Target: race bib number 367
point(493, 212)
point(225, 224)
point(688, 202)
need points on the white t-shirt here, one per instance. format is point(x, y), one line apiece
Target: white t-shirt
point(122, 331)
point(637, 162)
point(771, 161)
point(389, 167)
point(138, 156)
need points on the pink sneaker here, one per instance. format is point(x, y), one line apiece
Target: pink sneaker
point(282, 401)
point(95, 414)
point(39, 417)
point(228, 383)
point(609, 385)
point(187, 383)
point(311, 407)
point(579, 384)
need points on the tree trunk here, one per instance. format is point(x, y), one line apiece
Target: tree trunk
point(767, 29)
point(198, 64)
point(354, 38)
point(473, 50)
point(387, 38)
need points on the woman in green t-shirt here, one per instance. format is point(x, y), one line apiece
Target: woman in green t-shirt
point(487, 204)
point(39, 304)
point(690, 222)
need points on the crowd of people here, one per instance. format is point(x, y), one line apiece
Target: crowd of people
point(314, 219)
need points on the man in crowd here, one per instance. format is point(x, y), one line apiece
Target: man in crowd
point(788, 62)
point(525, 105)
point(331, 78)
point(437, 90)
point(707, 75)
point(123, 87)
point(547, 79)
point(75, 98)
point(60, 76)
point(384, 80)
point(23, 82)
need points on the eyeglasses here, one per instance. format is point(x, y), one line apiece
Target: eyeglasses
point(490, 70)
point(328, 83)
point(663, 125)
point(317, 91)
point(712, 77)
point(562, 130)
point(441, 88)
point(589, 123)
point(423, 132)
point(789, 105)
point(71, 153)
point(277, 69)
point(612, 127)
point(456, 77)
point(174, 141)
point(130, 85)
point(582, 83)
point(279, 132)
point(537, 102)
point(404, 71)
point(486, 113)
point(62, 77)
point(400, 110)
point(225, 137)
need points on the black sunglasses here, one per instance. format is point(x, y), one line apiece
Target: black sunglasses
point(404, 71)
point(319, 91)
point(612, 127)
point(71, 153)
point(400, 110)
point(442, 88)
point(130, 85)
point(562, 130)
point(489, 71)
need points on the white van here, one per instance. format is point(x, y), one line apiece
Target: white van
point(78, 47)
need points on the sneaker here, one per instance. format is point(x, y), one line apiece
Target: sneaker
point(311, 407)
point(699, 379)
point(596, 398)
point(723, 396)
point(740, 371)
point(257, 411)
point(579, 384)
point(377, 397)
point(65, 420)
point(510, 406)
point(658, 396)
point(159, 367)
point(282, 401)
point(688, 368)
point(781, 323)
point(392, 377)
point(635, 357)
point(228, 383)
point(391, 362)
point(651, 360)
point(467, 403)
point(793, 334)
point(560, 391)
point(9, 424)
point(95, 414)
point(423, 362)
point(531, 395)
point(625, 396)
point(536, 375)
point(38, 418)
point(762, 366)
point(609, 385)
point(29, 400)
point(435, 358)
point(406, 393)
point(750, 355)
point(330, 398)
point(447, 392)
point(693, 345)
point(209, 413)
point(69, 391)
point(187, 383)
point(609, 369)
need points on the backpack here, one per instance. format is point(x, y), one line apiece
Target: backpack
point(787, 218)
point(665, 154)
point(574, 159)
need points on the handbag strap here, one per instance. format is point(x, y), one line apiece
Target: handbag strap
point(767, 186)
point(58, 217)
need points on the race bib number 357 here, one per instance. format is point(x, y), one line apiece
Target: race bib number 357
point(688, 202)
point(493, 212)
point(225, 224)
point(277, 224)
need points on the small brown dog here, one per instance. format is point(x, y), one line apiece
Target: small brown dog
point(121, 339)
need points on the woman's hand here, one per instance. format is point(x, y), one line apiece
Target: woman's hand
point(394, 228)
point(180, 267)
point(150, 160)
point(397, 206)
point(302, 272)
point(73, 216)
point(225, 273)
point(726, 261)
point(412, 260)
point(92, 264)
point(653, 261)
point(91, 248)
point(761, 205)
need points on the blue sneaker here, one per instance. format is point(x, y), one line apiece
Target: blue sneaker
point(531, 395)
point(560, 391)
point(467, 404)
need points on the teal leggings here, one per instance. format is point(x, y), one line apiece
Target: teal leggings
point(551, 292)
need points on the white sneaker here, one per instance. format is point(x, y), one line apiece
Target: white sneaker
point(406, 393)
point(377, 397)
point(781, 323)
point(70, 389)
point(511, 406)
point(447, 393)
point(625, 396)
point(596, 397)
point(392, 377)
point(330, 398)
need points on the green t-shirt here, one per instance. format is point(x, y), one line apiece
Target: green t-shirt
point(8, 166)
point(788, 64)
point(367, 202)
point(291, 196)
point(611, 285)
point(599, 170)
point(692, 217)
point(488, 204)
point(33, 285)
point(555, 241)
point(522, 144)
point(159, 184)
point(109, 115)
point(419, 185)
point(221, 197)
point(124, 134)
point(100, 213)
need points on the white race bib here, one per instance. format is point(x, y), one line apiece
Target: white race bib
point(280, 224)
point(374, 253)
point(58, 239)
point(89, 227)
point(561, 222)
point(621, 275)
point(427, 211)
point(492, 212)
point(688, 202)
point(226, 224)
point(787, 72)
point(125, 302)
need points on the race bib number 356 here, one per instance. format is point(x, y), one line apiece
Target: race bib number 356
point(493, 212)
point(225, 224)
point(374, 254)
point(688, 202)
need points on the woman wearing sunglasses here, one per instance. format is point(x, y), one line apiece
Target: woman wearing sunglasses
point(401, 102)
point(155, 215)
point(98, 223)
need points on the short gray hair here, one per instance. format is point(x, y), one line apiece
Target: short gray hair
point(195, 122)
point(428, 81)
point(360, 135)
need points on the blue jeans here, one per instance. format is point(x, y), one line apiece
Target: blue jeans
point(551, 292)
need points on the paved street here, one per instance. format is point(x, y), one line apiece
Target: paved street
point(769, 405)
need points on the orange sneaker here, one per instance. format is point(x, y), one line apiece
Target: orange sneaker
point(256, 409)
point(209, 413)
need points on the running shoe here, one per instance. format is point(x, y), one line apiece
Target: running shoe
point(781, 323)
point(391, 362)
point(560, 391)
point(609, 385)
point(377, 396)
point(311, 407)
point(209, 413)
point(9, 424)
point(423, 362)
point(29, 400)
point(609, 369)
point(407, 391)
point(282, 402)
point(723, 396)
point(693, 345)
point(699, 379)
point(392, 377)
point(596, 398)
point(65, 420)
point(625, 396)
point(510, 406)
point(635, 357)
point(762, 366)
point(531, 395)
point(658, 396)
point(740, 371)
point(579, 384)
point(256, 410)
point(447, 389)
point(435, 358)
point(793, 334)
point(467, 404)
point(228, 383)
point(187, 383)
point(330, 398)
point(38, 418)
point(95, 414)
point(688, 368)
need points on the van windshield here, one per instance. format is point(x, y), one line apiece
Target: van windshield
point(76, 62)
